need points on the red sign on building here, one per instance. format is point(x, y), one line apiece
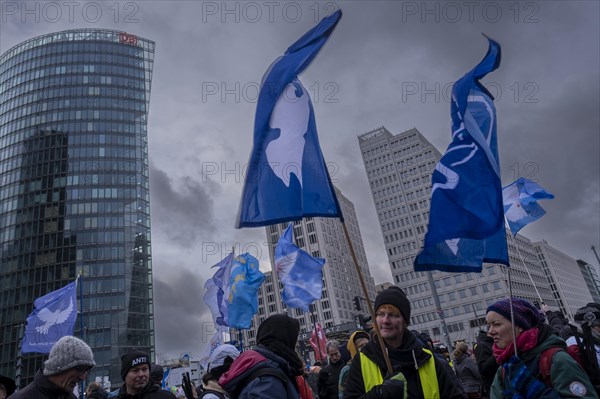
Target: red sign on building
point(126, 38)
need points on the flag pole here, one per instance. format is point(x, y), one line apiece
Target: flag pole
point(19, 360)
point(369, 304)
point(80, 283)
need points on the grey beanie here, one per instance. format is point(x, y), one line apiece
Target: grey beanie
point(67, 353)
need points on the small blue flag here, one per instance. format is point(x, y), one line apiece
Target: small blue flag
point(217, 288)
point(300, 273)
point(287, 178)
point(466, 221)
point(244, 283)
point(53, 317)
point(520, 203)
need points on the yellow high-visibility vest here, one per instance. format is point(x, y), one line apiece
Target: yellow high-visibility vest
point(372, 376)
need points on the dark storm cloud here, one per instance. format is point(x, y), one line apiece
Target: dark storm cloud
point(182, 212)
point(182, 320)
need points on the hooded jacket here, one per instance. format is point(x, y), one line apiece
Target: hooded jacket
point(353, 351)
point(264, 386)
point(568, 379)
point(406, 359)
point(42, 388)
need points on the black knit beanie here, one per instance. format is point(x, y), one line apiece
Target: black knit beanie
point(394, 296)
point(132, 359)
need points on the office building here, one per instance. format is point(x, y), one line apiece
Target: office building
point(399, 169)
point(74, 194)
point(564, 277)
point(592, 281)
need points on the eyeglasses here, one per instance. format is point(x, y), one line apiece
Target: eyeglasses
point(82, 369)
point(389, 315)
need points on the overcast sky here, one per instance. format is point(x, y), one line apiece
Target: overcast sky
point(387, 63)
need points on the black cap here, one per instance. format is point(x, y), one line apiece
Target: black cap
point(132, 359)
point(394, 296)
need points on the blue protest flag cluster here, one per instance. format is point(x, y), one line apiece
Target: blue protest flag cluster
point(232, 293)
point(287, 178)
point(53, 317)
point(300, 273)
point(520, 203)
point(466, 220)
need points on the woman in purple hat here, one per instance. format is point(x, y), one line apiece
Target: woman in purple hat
point(537, 371)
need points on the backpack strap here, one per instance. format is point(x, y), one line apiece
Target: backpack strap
point(545, 364)
point(260, 372)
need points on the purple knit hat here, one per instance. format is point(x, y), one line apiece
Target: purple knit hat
point(525, 314)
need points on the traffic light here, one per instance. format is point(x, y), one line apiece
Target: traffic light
point(357, 303)
point(365, 321)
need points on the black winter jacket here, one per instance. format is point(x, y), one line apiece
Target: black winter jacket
point(329, 376)
point(42, 388)
point(151, 391)
point(486, 362)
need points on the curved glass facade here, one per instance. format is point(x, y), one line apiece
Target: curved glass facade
point(74, 193)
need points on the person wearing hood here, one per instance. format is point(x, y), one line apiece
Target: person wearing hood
point(520, 376)
point(486, 362)
point(467, 371)
point(357, 341)
point(270, 370)
point(218, 364)
point(415, 374)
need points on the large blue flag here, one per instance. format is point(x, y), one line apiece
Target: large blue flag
point(466, 220)
point(217, 288)
point(300, 273)
point(287, 178)
point(244, 283)
point(520, 203)
point(53, 317)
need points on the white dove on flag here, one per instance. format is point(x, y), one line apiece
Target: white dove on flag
point(290, 114)
point(51, 318)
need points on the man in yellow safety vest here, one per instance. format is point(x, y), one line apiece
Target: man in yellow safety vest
point(416, 374)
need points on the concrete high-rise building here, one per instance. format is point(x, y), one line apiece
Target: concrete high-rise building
point(74, 194)
point(321, 237)
point(399, 169)
point(564, 277)
point(592, 280)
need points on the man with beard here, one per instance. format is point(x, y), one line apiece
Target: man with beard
point(415, 373)
point(135, 371)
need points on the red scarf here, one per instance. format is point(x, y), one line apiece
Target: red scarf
point(525, 342)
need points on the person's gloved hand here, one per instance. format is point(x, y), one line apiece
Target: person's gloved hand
point(392, 388)
point(522, 380)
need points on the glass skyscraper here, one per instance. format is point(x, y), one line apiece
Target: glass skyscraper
point(74, 193)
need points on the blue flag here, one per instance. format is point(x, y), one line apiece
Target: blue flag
point(287, 178)
point(300, 273)
point(520, 203)
point(466, 220)
point(53, 317)
point(217, 288)
point(244, 283)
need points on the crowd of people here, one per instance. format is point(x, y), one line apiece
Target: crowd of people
point(524, 353)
